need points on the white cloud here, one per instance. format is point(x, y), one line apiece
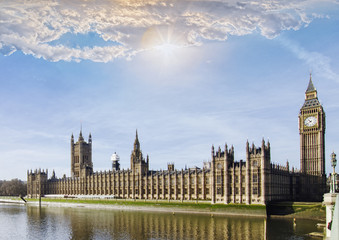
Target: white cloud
point(32, 26)
point(316, 61)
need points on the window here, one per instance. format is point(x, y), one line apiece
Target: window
point(255, 178)
point(255, 190)
point(255, 163)
point(218, 179)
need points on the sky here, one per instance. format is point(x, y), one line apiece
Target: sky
point(185, 74)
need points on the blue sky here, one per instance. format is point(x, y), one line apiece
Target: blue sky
point(186, 74)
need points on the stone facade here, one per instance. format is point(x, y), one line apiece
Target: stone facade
point(223, 180)
point(312, 144)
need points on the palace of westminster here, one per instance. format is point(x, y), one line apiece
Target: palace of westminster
point(222, 180)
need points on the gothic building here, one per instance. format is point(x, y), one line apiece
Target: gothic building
point(222, 180)
point(312, 144)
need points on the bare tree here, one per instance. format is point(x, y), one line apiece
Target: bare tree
point(15, 187)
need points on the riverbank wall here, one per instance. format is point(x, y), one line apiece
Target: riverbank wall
point(305, 210)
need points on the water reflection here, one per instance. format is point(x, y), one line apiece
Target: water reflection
point(110, 224)
point(80, 223)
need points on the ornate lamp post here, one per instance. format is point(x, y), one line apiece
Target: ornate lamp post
point(333, 164)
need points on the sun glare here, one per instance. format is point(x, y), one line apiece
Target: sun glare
point(167, 49)
point(162, 44)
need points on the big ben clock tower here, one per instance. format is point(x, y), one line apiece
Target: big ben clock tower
point(312, 142)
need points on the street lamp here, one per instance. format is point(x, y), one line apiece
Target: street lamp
point(333, 164)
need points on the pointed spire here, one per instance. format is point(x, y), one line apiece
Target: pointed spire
point(310, 87)
point(80, 135)
point(136, 141)
point(136, 136)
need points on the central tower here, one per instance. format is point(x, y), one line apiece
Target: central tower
point(138, 164)
point(81, 156)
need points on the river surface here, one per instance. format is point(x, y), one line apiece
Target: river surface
point(32, 222)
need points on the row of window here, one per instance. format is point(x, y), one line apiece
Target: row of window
point(243, 179)
point(84, 158)
point(236, 190)
point(220, 165)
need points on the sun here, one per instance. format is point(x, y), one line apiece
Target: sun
point(167, 49)
point(162, 42)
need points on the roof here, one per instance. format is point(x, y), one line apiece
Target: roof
point(310, 87)
point(311, 103)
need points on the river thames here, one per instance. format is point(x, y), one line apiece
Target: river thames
point(32, 222)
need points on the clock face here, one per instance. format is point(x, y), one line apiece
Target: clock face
point(310, 121)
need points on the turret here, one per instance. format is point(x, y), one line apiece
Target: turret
point(115, 162)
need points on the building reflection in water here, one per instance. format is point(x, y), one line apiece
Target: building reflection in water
point(75, 223)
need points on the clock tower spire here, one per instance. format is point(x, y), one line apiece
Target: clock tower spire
point(312, 142)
